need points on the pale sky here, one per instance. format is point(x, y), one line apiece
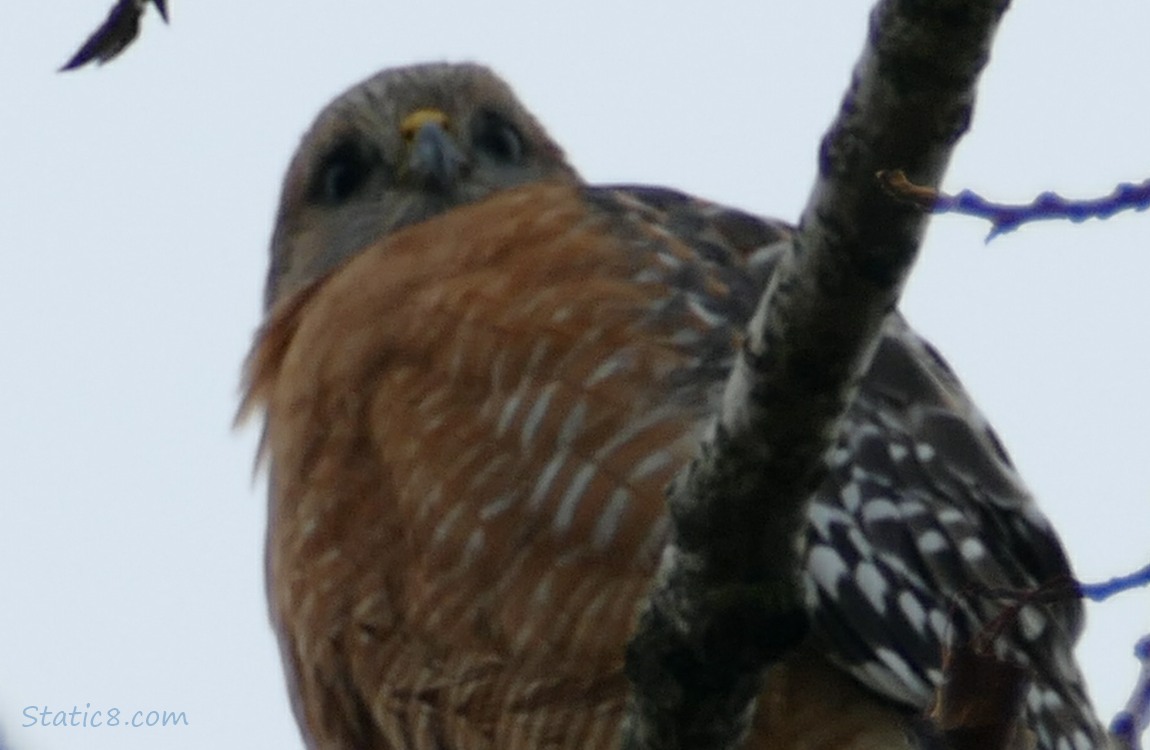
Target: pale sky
point(136, 202)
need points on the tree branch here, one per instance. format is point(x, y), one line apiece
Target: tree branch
point(1133, 720)
point(1006, 217)
point(728, 598)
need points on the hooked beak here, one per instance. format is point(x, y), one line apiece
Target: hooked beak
point(433, 158)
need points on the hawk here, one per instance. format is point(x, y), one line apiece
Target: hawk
point(479, 373)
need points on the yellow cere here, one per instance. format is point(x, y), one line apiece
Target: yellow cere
point(420, 117)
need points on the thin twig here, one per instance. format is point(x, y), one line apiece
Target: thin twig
point(1005, 217)
point(1133, 720)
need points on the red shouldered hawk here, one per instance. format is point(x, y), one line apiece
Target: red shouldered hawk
point(479, 374)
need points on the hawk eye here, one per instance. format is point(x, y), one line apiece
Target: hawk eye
point(495, 136)
point(341, 173)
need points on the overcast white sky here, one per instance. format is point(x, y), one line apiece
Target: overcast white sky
point(135, 206)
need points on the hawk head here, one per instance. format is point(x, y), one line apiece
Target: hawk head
point(403, 146)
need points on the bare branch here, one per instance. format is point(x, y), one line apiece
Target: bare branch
point(1133, 720)
point(1005, 217)
point(1098, 592)
point(728, 599)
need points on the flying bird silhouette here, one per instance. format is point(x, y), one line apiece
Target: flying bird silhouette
point(119, 29)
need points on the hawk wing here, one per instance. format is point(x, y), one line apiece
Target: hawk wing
point(921, 517)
